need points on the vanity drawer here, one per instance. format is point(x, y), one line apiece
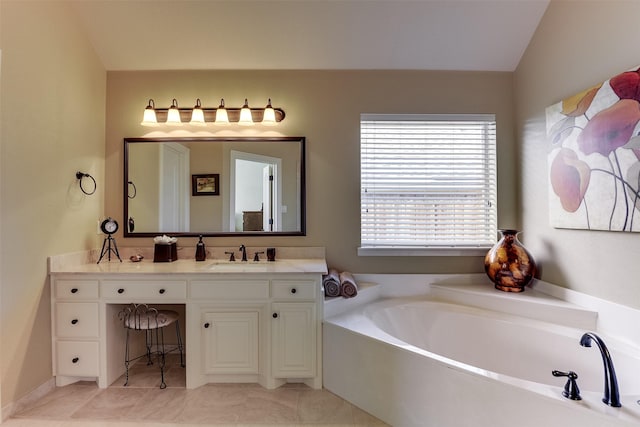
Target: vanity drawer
point(76, 319)
point(156, 290)
point(293, 290)
point(230, 289)
point(77, 358)
point(76, 289)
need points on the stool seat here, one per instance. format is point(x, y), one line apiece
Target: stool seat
point(151, 319)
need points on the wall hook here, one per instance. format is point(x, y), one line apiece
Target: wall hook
point(79, 176)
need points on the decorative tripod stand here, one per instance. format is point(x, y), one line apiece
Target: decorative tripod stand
point(108, 246)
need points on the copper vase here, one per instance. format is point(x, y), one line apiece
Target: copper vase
point(508, 264)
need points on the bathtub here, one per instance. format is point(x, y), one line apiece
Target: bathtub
point(429, 360)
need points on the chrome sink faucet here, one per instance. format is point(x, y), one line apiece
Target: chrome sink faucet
point(244, 252)
point(611, 392)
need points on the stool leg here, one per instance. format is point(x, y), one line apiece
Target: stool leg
point(149, 342)
point(126, 360)
point(160, 341)
point(180, 346)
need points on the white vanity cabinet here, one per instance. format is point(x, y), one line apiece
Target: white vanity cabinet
point(255, 330)
point(259, 325)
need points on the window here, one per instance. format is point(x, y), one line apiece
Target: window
point(428, 184)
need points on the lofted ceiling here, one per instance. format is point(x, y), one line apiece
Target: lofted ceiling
point(486, 35)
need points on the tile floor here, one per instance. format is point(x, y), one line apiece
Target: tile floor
point(143, 404)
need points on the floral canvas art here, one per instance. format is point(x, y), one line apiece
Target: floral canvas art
point(594, 157)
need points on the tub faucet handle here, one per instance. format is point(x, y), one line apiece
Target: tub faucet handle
point(232, 255)
point(256, 257)
point(571, 390)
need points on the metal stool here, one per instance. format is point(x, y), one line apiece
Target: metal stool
point(141, 317)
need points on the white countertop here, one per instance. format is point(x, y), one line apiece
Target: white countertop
point(85, 263)
point(147, 266)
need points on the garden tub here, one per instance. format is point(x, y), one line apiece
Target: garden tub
point(422, 361)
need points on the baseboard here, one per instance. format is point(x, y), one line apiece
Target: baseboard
point(27, 400)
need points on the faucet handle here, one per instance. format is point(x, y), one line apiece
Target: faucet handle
point(232, 255)
point(256, 257)
point(571, 390)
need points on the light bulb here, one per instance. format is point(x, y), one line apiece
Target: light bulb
point(149, 118)
point(222, 118)
point(197, 114)
point(245, 115)
point(269, 116)
point(173, 114)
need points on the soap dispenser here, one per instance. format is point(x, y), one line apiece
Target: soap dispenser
point(201, 253)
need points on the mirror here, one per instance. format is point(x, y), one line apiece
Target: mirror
point(214, 186)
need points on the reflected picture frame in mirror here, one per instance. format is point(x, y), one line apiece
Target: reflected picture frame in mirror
point(260, 186)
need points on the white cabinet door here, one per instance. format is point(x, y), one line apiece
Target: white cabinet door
point(230, 342)
point(293, 346)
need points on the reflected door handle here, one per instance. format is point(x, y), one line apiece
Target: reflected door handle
point(74, 321)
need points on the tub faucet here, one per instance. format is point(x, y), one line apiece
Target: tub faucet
point(611, 392)
point(244, 252)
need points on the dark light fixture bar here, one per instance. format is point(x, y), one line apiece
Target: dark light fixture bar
point(267, 115)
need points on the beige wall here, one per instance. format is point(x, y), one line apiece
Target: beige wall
point(325, 107)
point(577, 45)
point(49, 68)
point(52, 125)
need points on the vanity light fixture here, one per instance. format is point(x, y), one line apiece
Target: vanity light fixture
point(199, 115)
point(245, 114)
point(173, 114)
point(221, 114)
point(149, 118)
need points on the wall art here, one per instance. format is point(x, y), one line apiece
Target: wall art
point(594, 157)
point(205, 184)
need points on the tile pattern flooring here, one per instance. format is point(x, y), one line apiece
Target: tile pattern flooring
point(143, 404)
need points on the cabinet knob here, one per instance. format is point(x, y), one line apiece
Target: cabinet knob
point(120, 291)
point(294, 290)
point(74, 290)
point(74, 321)
point(274, 315)
point(206, 325)
point(75, 359)
point(162, 291)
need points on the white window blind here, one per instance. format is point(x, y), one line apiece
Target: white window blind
point(428, 181)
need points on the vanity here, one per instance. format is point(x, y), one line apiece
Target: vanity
point(257, 322)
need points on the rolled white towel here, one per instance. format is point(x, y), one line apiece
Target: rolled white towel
point(331, 283)
point(348, 286)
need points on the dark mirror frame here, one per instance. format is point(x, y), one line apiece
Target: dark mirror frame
point(266, 140)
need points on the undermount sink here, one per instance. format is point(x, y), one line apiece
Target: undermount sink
point(239, 266)
point(279, 266)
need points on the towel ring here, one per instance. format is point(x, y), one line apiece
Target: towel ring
point(135, 191)
point(79, 176)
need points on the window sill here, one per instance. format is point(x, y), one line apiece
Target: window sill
point(409, 251)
